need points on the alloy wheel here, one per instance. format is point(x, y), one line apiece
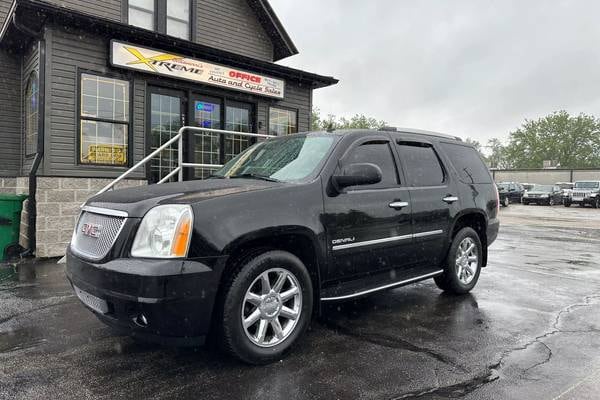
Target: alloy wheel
point(271, 307)
point(467, 261)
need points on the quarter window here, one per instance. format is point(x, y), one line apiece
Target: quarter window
point(282, 122)
point(380, 154)
point(31, 114)
point(104, 122)
point(422, 164)
point(468, 163)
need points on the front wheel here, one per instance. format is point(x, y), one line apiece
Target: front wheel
point(551, 202)
point(505, 202)
point(596, 204)
point(463, 264)
point(267, 307)
point(567, 204)
point(525, 203)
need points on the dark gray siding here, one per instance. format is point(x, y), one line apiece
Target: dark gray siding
point(30, 65)
point(297, 97)
point(110, 9)
point(10, 123)
point(4, 8)
point(68, 52)
point(232, 25)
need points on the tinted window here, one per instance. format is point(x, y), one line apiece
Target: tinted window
point(422, 165)
point(379, 154)
point(467, 163)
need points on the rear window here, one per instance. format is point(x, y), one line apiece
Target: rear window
point(467, 163)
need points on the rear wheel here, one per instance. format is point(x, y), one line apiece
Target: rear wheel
point(267, 307)
point(505, 202)
point(463, 264)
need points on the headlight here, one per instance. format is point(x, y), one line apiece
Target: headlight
point(593, 194)
point(544, 195)
point(525, 194)
point(165, 232)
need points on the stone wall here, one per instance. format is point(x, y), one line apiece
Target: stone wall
point(8, 185)
point(58, 205)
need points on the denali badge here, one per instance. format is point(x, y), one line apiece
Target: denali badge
point(343, 240)
point(91, 230)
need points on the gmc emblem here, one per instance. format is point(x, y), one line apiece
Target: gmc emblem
point(91, 230)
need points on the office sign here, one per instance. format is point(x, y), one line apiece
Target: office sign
point(153, 61)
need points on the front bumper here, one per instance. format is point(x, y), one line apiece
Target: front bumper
point(585, 200)
point(175, 297)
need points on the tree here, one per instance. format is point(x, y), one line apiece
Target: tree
point(497, 157)
point(358, 121)
point(572, 141)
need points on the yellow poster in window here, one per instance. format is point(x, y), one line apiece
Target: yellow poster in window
point(107, 154)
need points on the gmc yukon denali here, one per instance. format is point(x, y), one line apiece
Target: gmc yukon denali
point(249, 255)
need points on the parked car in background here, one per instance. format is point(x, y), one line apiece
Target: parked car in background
point(543, 194)
point(584, 192)
point(511, 192)
point(288, 224)
point(566, 189)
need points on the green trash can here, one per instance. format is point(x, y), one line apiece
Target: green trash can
point(11, 206)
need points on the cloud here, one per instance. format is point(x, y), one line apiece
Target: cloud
point(472, 68)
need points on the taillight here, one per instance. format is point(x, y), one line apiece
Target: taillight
point(497, 200)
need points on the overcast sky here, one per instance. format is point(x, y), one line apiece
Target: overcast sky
point(472, 68)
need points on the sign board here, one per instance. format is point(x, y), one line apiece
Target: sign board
point(107, 154)
point(153, 61)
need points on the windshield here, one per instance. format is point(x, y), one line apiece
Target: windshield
point(586, 185)
point(542, 188)
point(294, 158)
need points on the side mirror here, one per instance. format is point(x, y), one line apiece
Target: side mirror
point(357, 174)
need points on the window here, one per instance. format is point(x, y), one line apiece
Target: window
point(171, 17)
point(422, 165)
point(104, 122)
point(178, 18)
point(141, 13)
point(282, 122)
point(380, 154)
point(467, 163)
point(31, 114)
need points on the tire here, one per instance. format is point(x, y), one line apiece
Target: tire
point(525, 203)
point(551, 202)
point(596, 204)
point(449, 281)
point(506, 202)
point(567, 204)
point(245, 296)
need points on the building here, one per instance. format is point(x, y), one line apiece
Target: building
point(89, 88)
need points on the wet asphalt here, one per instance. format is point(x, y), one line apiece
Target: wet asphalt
point(529, 330)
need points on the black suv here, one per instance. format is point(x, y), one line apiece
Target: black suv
point(249, 254)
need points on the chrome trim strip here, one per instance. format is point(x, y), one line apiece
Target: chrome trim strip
point(385, 240)
point(391, 285)
point(429, 233)
point(370, 242)
point(105, 211)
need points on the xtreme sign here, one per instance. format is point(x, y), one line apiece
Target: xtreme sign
point(138, 58)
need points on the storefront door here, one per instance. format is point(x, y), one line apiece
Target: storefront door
point(166, 117)
point(215, 113)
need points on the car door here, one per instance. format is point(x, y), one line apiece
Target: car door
point(369, 228)
point(434, 200)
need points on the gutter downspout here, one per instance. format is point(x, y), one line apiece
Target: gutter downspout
point(39, 155)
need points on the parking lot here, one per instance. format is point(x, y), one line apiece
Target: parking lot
point(529, 330)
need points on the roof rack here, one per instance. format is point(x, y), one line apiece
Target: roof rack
point(418, 132)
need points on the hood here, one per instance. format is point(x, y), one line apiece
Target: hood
point(137, 201)
point(537, 192)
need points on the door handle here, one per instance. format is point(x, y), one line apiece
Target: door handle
point(450, 199)
point(398, 204)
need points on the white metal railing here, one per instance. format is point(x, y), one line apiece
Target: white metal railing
point(180, 164)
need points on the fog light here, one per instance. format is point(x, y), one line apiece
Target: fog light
point(141, 320)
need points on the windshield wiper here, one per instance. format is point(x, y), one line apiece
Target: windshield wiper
point(255, 176)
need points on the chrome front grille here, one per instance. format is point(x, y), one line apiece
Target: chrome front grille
point(96, 232)
point(580, 194)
